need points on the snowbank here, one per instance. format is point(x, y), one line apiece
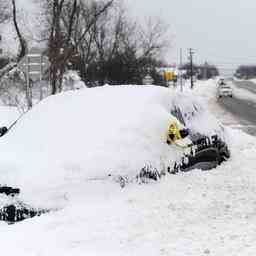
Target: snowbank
point(244, 94)
point(253, 80)
point(8, 115)
point(195, 213)
point(95, 133)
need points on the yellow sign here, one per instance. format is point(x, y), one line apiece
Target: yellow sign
point(168, 75)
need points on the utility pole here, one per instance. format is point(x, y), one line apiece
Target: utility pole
point(205, 71)
point(1, 50)
point(180, 71)
point(191, 52)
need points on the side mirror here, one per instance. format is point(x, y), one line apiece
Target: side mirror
point(3, 130)
point(184, 133)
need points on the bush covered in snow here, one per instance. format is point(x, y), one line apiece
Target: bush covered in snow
point(72, 81)
point(13, 89)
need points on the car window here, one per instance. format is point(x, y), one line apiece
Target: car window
point(225, 87)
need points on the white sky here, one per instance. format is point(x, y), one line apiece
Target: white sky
point(220, 31)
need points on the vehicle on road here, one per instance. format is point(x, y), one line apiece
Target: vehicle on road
point(224, 90)
point(220, 81)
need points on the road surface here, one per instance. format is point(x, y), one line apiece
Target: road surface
point(248, 85)
point(245, 110)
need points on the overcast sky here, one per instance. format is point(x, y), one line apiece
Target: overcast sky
point(222, 32)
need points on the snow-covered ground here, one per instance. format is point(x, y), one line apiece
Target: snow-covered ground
point(61, 158)
point(253, 80)
point(8, 115)
point(244, 94)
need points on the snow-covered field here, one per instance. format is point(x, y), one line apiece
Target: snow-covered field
point(8, 115)
point(61, 157)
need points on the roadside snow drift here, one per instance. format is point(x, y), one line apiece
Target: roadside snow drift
point(194, 213)
point(92, 134)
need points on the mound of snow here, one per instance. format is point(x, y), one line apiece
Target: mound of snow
point(90, 134)
point(8, 115)
point(193, 213)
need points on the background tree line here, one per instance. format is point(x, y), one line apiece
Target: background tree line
point(246, 71)
point(96, 38)
point(202, 71)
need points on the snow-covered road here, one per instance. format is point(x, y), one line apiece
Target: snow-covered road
point(242, 105)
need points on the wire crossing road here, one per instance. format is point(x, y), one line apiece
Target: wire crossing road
point(243, 109)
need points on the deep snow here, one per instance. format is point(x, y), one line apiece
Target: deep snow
point(197, 213)
point(87, 134)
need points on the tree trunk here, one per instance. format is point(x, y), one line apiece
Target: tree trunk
point(22, 41)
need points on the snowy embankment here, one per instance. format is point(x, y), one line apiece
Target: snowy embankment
point(253, 80)
point(88, 134)
point(244, 94)
point(55, 158)
point(94, 134)
point(8, 115)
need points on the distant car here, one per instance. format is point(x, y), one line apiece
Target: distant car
point(224, 90)
point(221, 81)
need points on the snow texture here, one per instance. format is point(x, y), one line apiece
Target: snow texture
point(60, 155)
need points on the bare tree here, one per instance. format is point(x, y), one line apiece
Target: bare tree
point(64, 39)
point(125, 50)
point(22, 41)
point(10, 14)
point(5, 11)
point(152, 38)
point(101, 41)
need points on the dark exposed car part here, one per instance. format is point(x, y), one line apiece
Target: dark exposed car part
point(19, 211)
point(9, 190)
point(184, 133)
point(3, 131)
point(148, 172)
point(206, 153)
point(16, 210)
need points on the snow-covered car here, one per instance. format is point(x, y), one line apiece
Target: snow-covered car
point(113, 133)
point(224, 90)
